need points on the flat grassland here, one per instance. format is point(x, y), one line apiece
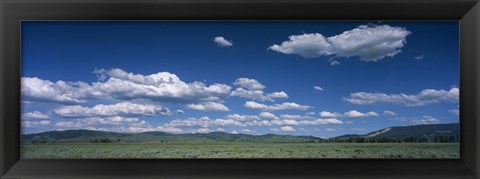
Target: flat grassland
point(240, 150)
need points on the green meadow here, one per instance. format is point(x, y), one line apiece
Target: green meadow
point(238, 150)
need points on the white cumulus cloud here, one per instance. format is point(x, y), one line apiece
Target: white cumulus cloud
point(427, 96)
point(296, 117)
point(163, 86)
point(318, 88)
point(208, 106)
point(267, 115)
point(314, 122)
point(35, 89)
point(118, 109)
point(121, 85)
point(240, 117)
point(275, 107)
point(247, 83)
point(280, 94)
point(253, 89)
point(389, 113)
point(32, 124)
point(204, 122)
point(370, 43)
point(258, 123)
point(222, 42)
point(69, 124)
point(305, 45)
point(355, 113)
point(287, 129)
point(321, 122)
point(326, 114)
point(114, 123)
point(251, 94)
point(283, 122)
point(35, 115)
point(419, 120)
point(167, 129)
point(115, 120)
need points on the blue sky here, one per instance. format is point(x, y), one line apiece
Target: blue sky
point(320, 78)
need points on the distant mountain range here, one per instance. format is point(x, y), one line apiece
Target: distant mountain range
point(420, 131)
point(89, 136)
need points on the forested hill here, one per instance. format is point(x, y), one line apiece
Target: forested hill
point(419, 133)
point(100, 136)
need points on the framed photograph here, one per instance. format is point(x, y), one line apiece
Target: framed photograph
point(240, 89)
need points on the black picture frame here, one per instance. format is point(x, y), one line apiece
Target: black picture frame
point(467, 12)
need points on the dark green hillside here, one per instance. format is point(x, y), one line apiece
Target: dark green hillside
point(72, 136)
point(428, 132)
point(347, 136)
point(223, 136)
point(420, 131)
point(91, 136)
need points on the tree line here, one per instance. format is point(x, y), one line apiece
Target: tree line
point(106, 140)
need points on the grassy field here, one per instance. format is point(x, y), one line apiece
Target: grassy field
point(240, 150)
